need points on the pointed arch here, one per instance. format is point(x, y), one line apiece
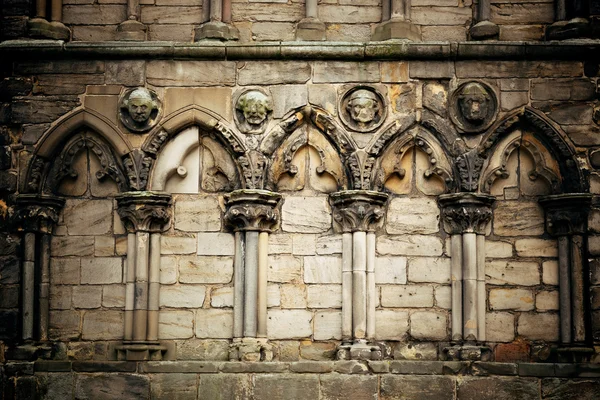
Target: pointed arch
point(572, 178)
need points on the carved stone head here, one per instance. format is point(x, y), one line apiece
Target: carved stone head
point(252, 111)
point(139, 109)
point(474, 107)
point(362, 109)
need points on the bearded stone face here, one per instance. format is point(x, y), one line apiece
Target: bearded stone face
point(474, 104)
point(363, 106)
point(255, 107)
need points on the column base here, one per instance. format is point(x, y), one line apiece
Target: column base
point(360, 350)
point(574, 28)
point(216, 30)
point(310, 29)
point(250, 349)
point(467, 353)
point(142, 351)
point(574, 354)
point(39, 28)
point(131, 30)
point(396, 29)
point(484, 30)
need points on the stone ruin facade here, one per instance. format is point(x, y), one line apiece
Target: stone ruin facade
point(292, 200)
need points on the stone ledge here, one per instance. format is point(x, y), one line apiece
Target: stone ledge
point(389, 50)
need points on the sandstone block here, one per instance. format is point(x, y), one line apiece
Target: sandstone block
point(111, 386)
point(171, 32)
point(226, 386)
point(517, 69)
point(177, 245)
point(431, 70)
point(113, 296)
point(268, 12)
point(93, 33)
point(128, 73)
point(284, 268)
point(64, 271)
point(65, 325)
point(390, 270)
point(429, 270)
point(498, 388)
point(391, 325)
point(536, 248)
point(197, 215)
point(539, 326)
point(280, 244)
point(175, 324)
point(278, 386)
point(393, 72)
point(441, 15)
point(438, 33)
point(428, 325)
point(195, 349)
point(293, 296)
point(340, 71)
point(287, 98)
point(324, 96)
point(328, 325)
point(349, 14)
point(60, 297)
point(550, 272)
point(173, 14)
point(215, 324)
point(304, 245)
point(178, 386)
point(443, 297)
point(521, 33)
point(190, 73)
point(87, 296)
point(330, 244)
point(512, 273)
point(338, 386)
point(498, 249)
point(500, 327)
point(416, 387)
point(221, 297)
point(216, 244)
point(324, 296)
point(58, 84)
point(323, 269)
point(105, 14)
point(104, 246)
point(409, 245)
point(101, 270)
point(102, 325)
point(275, 31)
point(273, 295)
point(412, 215)
point(415, 351)
point(39, 110)
point(512, 100)
point(88, 217)
point(407, 296)
point(305, 215)
point(273, 73)
point(168, 270)
point(511, 299)
point(182, 296)
point(547, 300)
point(205, 269)
point(513, 218)
point(289, 324)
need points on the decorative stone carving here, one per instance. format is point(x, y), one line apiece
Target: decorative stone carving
point(358, 210)
point(466, 212)
point(473, 107)
point(137, 167)
point(362, 109)
point(38, 213)
point(144, 211)
point(567, 214)
point(139, 109)
point(469, 169)
point(252, 110)
point(252, 210)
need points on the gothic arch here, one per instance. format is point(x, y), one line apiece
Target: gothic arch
point(571, 178)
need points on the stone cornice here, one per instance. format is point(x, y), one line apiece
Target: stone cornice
point(388, 50)
point(466, 212)
point(252, 210)
point(38, 213)
point(566, 214)
point(144, 211)
point(358, 210)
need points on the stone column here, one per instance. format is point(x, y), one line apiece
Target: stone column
point(132, 28)
point(566, 219)
point(48, 28)
point(484, 29)
point(145, 215)
point(357, 214)
point(465, 217)
point(571, 22)
point(216, 15)
point(37, 216)
point(310, 27)
point(395, 22)
point(252, 214)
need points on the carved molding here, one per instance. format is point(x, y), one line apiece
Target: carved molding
point(566, 214)
point(38, 213)
point(252, 210)
point(144, 211)
point(466, 212)
point(358, 210)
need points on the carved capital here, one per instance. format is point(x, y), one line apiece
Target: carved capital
point(252, 210)
point(144, 211)
point(567, 214)
point(38, 213)
point(358, 210)
point(466, 212)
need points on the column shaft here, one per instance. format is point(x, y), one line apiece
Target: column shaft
point(560, 10)
point(359, 284)
point(40, 8)
point(154, 287)
point(238, 286)
point(386, 6)
point(56, 14)
point(263, 262)
point(481, 309)
point(311, 8)
point(346, 286)
point(28, 285)
point(140, 313)
point(133, 7)
point(205, 11)
point(399, 9)
point(371, 289)
point(483, 10)
point(457, 288)
point(216, 10)
point(251, 284)
point(44, 288)
point(130, 287)
point(227, 11)
point(564, 281)
point(577, 289)
point(469, 286)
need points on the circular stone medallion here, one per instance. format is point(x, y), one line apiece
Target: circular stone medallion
point(139, 109)
point(362, 109)
point(473, 107)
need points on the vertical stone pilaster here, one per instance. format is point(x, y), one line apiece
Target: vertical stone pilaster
point(566, 219)
point(145, 215)
point(465, 217)
point(252, 214)
point(357, 214)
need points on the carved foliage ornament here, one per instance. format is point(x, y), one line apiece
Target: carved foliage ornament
point(139, 109)
point(567, 214)
point(358, 210)
point(144, 211)
point(252, 110)
point(466, 212)
point(38, 213)
point(252, 210)
point(473, 107)
point(362, 109)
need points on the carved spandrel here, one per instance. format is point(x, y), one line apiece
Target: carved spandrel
point(144, 211)
point(358, 210)
point(252, 210)
point(466, 212)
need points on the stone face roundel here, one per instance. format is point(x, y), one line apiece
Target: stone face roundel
point(473, 107)
point(362, 109)
point(139, 109)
